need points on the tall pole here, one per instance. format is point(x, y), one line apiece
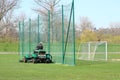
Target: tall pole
point(62, 34)
point(29, 36)
point(49, 31)
point(23, 38)
point(106, 54)
point(38, 29)
point(73, 32)
point(68, 30)
point(19, 45)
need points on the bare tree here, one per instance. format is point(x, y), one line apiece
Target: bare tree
point(6, 16)
point(114, 28)
point(6, 12)
point(44, 7)
point(85, 23)
point(9, 25)
point(6, 6)
point(85, 27)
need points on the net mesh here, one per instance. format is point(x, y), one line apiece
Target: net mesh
point(55, 31)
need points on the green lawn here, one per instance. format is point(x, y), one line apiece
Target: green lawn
point(8, 47)
point(11, 69)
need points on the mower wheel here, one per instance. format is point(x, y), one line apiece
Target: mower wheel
point(48, 60)
point(34, 60)
point(25, 60)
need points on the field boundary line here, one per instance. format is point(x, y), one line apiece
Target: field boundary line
point(8, 52)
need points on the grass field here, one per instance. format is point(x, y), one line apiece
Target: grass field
point(11, 69)
point(8, 47)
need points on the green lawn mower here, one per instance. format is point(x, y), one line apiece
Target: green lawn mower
point(38, 56)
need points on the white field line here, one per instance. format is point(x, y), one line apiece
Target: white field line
point(98, 52)
point(8, 52)
point(115, 59)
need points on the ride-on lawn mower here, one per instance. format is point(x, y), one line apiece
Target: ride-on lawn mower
point(38, 56)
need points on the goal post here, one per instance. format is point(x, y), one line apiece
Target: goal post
point(93, 51)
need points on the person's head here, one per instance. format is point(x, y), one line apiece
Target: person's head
point(40, 43)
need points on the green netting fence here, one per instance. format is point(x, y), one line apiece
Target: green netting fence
point(56, 31)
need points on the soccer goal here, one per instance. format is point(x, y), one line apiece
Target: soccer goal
point(93, 51)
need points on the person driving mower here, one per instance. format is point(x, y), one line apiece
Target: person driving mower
point(39, 46)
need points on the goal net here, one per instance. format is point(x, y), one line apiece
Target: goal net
point(93, 51)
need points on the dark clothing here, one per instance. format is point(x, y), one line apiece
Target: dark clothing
point(40, 46)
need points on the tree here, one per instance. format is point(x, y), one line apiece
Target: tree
point(88, 35)
point(101, 33)
point(86, 24)
point(44, 7)
point(6, 12)
point(114, 28)
point(6, 6)
point(7, 24)
point(85, 30)
point(114, 31)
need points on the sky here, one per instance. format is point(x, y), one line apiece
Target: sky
point(100, 12)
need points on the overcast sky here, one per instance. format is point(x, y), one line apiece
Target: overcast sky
point(100, 12)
